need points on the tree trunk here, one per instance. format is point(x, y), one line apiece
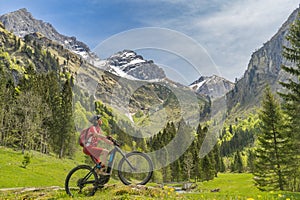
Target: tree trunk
point(61, 153)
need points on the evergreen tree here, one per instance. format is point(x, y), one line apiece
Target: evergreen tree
point(292, 100)
point(7, 90)
point(219, 165)
point(250, 161)
point(67, 134)
point(237, 165)
point(272, 146)
point(208, 171)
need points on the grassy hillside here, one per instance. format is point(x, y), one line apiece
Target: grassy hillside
point(43, 170)
point(46, 170)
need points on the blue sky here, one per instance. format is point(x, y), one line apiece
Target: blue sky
point(228, 31)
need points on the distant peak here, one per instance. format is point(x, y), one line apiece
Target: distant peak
point(21, 11)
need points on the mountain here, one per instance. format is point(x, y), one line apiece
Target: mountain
point(212, 86)
point(22, 23)
point(129, 63)
point(264, 68)
point(125, 63)
point(145, 102)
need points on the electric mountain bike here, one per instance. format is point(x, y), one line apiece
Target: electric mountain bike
point(133, 168)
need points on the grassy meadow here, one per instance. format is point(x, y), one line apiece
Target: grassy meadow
point(44, 171)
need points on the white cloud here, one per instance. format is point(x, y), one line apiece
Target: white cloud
point(229, 30)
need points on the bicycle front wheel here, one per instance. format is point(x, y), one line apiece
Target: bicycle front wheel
point(135, 168)
point(81, 181)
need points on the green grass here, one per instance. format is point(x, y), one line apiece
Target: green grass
point(47, 170)
point(237, 186)
point(43, 170)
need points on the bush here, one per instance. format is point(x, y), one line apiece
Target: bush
point(26, 160)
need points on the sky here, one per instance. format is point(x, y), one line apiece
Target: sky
point(193, 38)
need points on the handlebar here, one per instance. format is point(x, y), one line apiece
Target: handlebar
point(116, 143)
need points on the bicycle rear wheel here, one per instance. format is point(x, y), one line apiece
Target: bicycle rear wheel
point(135, 168)
point(82, 180)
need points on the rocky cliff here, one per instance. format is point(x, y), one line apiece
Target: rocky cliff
point(212, 86)
point(129, 62)
point(264, 68)
point(22, 23)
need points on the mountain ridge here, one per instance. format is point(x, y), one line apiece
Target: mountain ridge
point(21, 22)
point(264, 68)
point(212, 86)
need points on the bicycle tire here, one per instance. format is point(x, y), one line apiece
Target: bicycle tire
point(143, 165)
point(75, 181)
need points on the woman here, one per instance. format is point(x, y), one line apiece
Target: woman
point(92, 136)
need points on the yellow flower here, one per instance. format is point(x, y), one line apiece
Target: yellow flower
point(250, 198)
point(279, 195)
point(287, 199)
point(259, 196)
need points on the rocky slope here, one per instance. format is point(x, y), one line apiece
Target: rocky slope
point(264, 68)
point(22, 23)
point(130, 63)
point(148, 101)
point(125, 63)
point(212, 86)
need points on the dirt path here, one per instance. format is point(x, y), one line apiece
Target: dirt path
point(30, 189)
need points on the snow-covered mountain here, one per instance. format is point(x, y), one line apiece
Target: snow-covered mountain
point(22, 23)
point(125, 63)
point(128, 62)
point(213, 86)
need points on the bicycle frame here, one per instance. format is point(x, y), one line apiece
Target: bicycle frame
point(112, 159)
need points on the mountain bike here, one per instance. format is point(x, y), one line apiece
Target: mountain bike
point(133, 168)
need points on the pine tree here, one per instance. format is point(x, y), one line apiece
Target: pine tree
point(67, 135)
point(208, 171)
point(272, 145)
point(250, 161)
point(237, 165)
point(292, 99)
point(7, 89)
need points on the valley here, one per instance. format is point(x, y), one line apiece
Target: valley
point(213, 132)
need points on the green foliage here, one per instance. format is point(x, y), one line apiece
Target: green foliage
point(272, 158)
point(26, 161)
point(189, 165)
point(291, 99)
point(237, 165)
point(239, 136)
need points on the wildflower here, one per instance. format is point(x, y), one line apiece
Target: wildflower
point(287, 199)
point(250, 198)
point(279, 195)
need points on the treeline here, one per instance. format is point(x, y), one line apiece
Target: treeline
point(238, 136)
point(189, 165)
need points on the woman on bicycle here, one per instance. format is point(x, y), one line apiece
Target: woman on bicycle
point(93, 135)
